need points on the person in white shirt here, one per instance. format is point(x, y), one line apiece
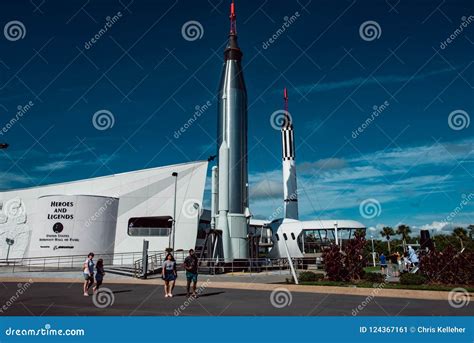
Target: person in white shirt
point(88, 271)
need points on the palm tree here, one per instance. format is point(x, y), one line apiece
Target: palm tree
point(461, 234)
point(387, 231)
point(404, 231)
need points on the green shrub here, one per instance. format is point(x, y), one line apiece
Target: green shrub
point(309, 277)
point(412, 279)
point(374, 277)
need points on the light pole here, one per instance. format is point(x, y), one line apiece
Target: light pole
point(173, 226)
point(373, 252)
point(10, 242)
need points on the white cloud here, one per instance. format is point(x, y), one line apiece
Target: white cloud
point(56, 165)
point(351, 83)
point(8, 178)
point(438, 227)
point(267, 189)
point(324, 164)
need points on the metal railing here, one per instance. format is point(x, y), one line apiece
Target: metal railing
point(69, 262)
point(251, 265)
point(155, 261)
point(216, 266)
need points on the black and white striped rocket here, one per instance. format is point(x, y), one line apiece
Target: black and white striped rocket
point(289, 167)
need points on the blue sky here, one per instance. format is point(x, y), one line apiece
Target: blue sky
point(408, 160)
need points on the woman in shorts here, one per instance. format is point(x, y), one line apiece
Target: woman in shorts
point(169, 274)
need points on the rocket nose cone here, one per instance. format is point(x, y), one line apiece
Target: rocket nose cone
point(232, 51)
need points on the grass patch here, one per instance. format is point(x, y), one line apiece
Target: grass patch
point(371, 269)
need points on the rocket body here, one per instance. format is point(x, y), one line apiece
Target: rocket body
point(232, 128)
point(290, 190)
point(232, 146)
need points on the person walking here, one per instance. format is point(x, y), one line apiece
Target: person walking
point(169, 274)
point(399, 262)
point(99, 276)
point(191, 266)
point(88, 271)
point(383, 262)
point(405, 263)
point(413, 259)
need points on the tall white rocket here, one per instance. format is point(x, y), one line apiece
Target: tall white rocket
point(232, 201)
point(289, 167)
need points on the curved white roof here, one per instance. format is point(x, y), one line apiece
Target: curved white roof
point(322, 224)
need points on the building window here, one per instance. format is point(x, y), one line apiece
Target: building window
point(277, 237)
point(293, 236)
point(150, 226)
point(285, 236)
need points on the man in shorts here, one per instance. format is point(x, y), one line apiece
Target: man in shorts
point(191, 266)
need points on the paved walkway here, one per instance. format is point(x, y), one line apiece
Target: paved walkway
point(238, 281)
point(56, 298)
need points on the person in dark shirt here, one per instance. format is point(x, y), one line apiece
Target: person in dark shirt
point(99, 275)
point(191, 266)
point(394, 264)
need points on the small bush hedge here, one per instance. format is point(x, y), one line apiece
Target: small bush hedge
point(309, 276)
point(412, 279)
point(374, 277)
